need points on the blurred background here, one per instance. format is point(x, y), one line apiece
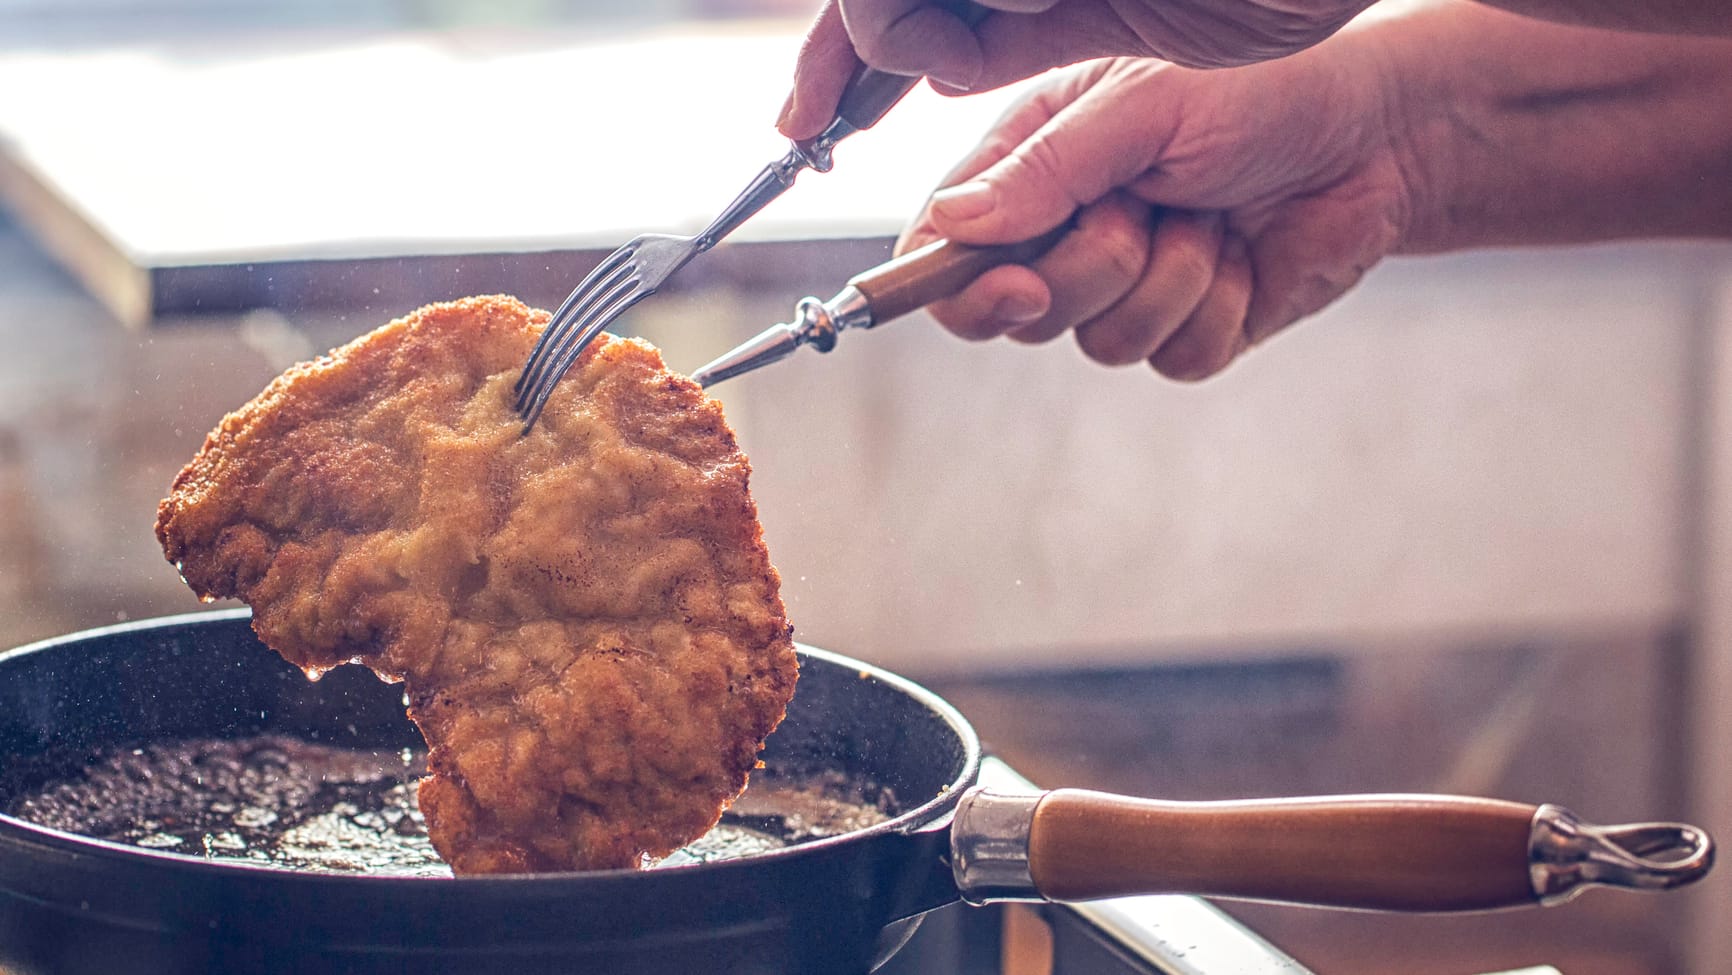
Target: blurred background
point(1465, 531)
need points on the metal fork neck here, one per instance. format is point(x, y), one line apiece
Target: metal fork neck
point(769, 184)
point(816, 150)
point(813, 154)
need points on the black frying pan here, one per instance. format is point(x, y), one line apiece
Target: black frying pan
point(838, 905)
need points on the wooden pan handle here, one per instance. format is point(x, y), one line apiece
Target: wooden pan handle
point(939, 270)
point(1406, 853)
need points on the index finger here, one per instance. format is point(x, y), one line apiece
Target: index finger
point(913, 37)
point(821, 73)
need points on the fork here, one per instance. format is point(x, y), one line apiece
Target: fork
point(639, 269)
point(873, 297)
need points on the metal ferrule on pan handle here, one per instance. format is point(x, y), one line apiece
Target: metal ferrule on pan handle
point(1566, 856)
point(990, 858)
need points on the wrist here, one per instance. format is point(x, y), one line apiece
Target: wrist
point(1509, 130)
point(1422, 103)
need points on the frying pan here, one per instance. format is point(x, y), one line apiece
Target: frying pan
point(70, 903)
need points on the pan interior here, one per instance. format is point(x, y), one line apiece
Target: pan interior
point(278, 801)
point(188, 737)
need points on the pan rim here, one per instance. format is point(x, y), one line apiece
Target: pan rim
point(931, 815)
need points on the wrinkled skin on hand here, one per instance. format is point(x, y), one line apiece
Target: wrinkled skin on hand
point(1212, 209)
point(1022, 38)
point(585, 618)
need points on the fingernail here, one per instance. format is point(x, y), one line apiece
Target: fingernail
point(960, 74)
point(953, 84)
point(1017, 310)
point(966, 201)
point(787, 110)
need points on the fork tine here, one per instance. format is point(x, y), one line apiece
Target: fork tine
point(582, 333)
point(599, 320)
point(572, 337)
point(576, 305)
point(559, 329)
point(578, 294)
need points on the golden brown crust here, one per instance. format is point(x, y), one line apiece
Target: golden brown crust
point(586, 618)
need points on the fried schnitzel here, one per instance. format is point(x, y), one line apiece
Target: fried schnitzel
point(585, 618)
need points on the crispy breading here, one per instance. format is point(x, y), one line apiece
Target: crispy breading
point(585, 618)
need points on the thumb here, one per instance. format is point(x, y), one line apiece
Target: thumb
point(1014, 46)
point(1090, 146)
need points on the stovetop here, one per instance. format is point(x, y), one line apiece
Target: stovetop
point(1151, 935)
point(1132, 936)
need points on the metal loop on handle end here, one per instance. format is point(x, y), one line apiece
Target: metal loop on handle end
point(1567, 856)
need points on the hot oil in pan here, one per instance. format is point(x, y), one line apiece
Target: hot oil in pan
point(270, 800)
point(282, 802)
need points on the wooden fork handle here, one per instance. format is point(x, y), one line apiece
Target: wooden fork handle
point(939, 270)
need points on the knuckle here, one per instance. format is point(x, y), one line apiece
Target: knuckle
point(872, 49)
point(1125, 250)
point(1034, 335)
point(1119, 241)
point(1042, 162)
point(1110, 345)
point(1194, 358)
point(999, 144)
point(971, 328)
point(1191, 246)
point(1217, 361)
point(1193, 270)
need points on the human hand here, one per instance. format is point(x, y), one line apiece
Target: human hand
point(1213, 209)
point(1021, 38)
